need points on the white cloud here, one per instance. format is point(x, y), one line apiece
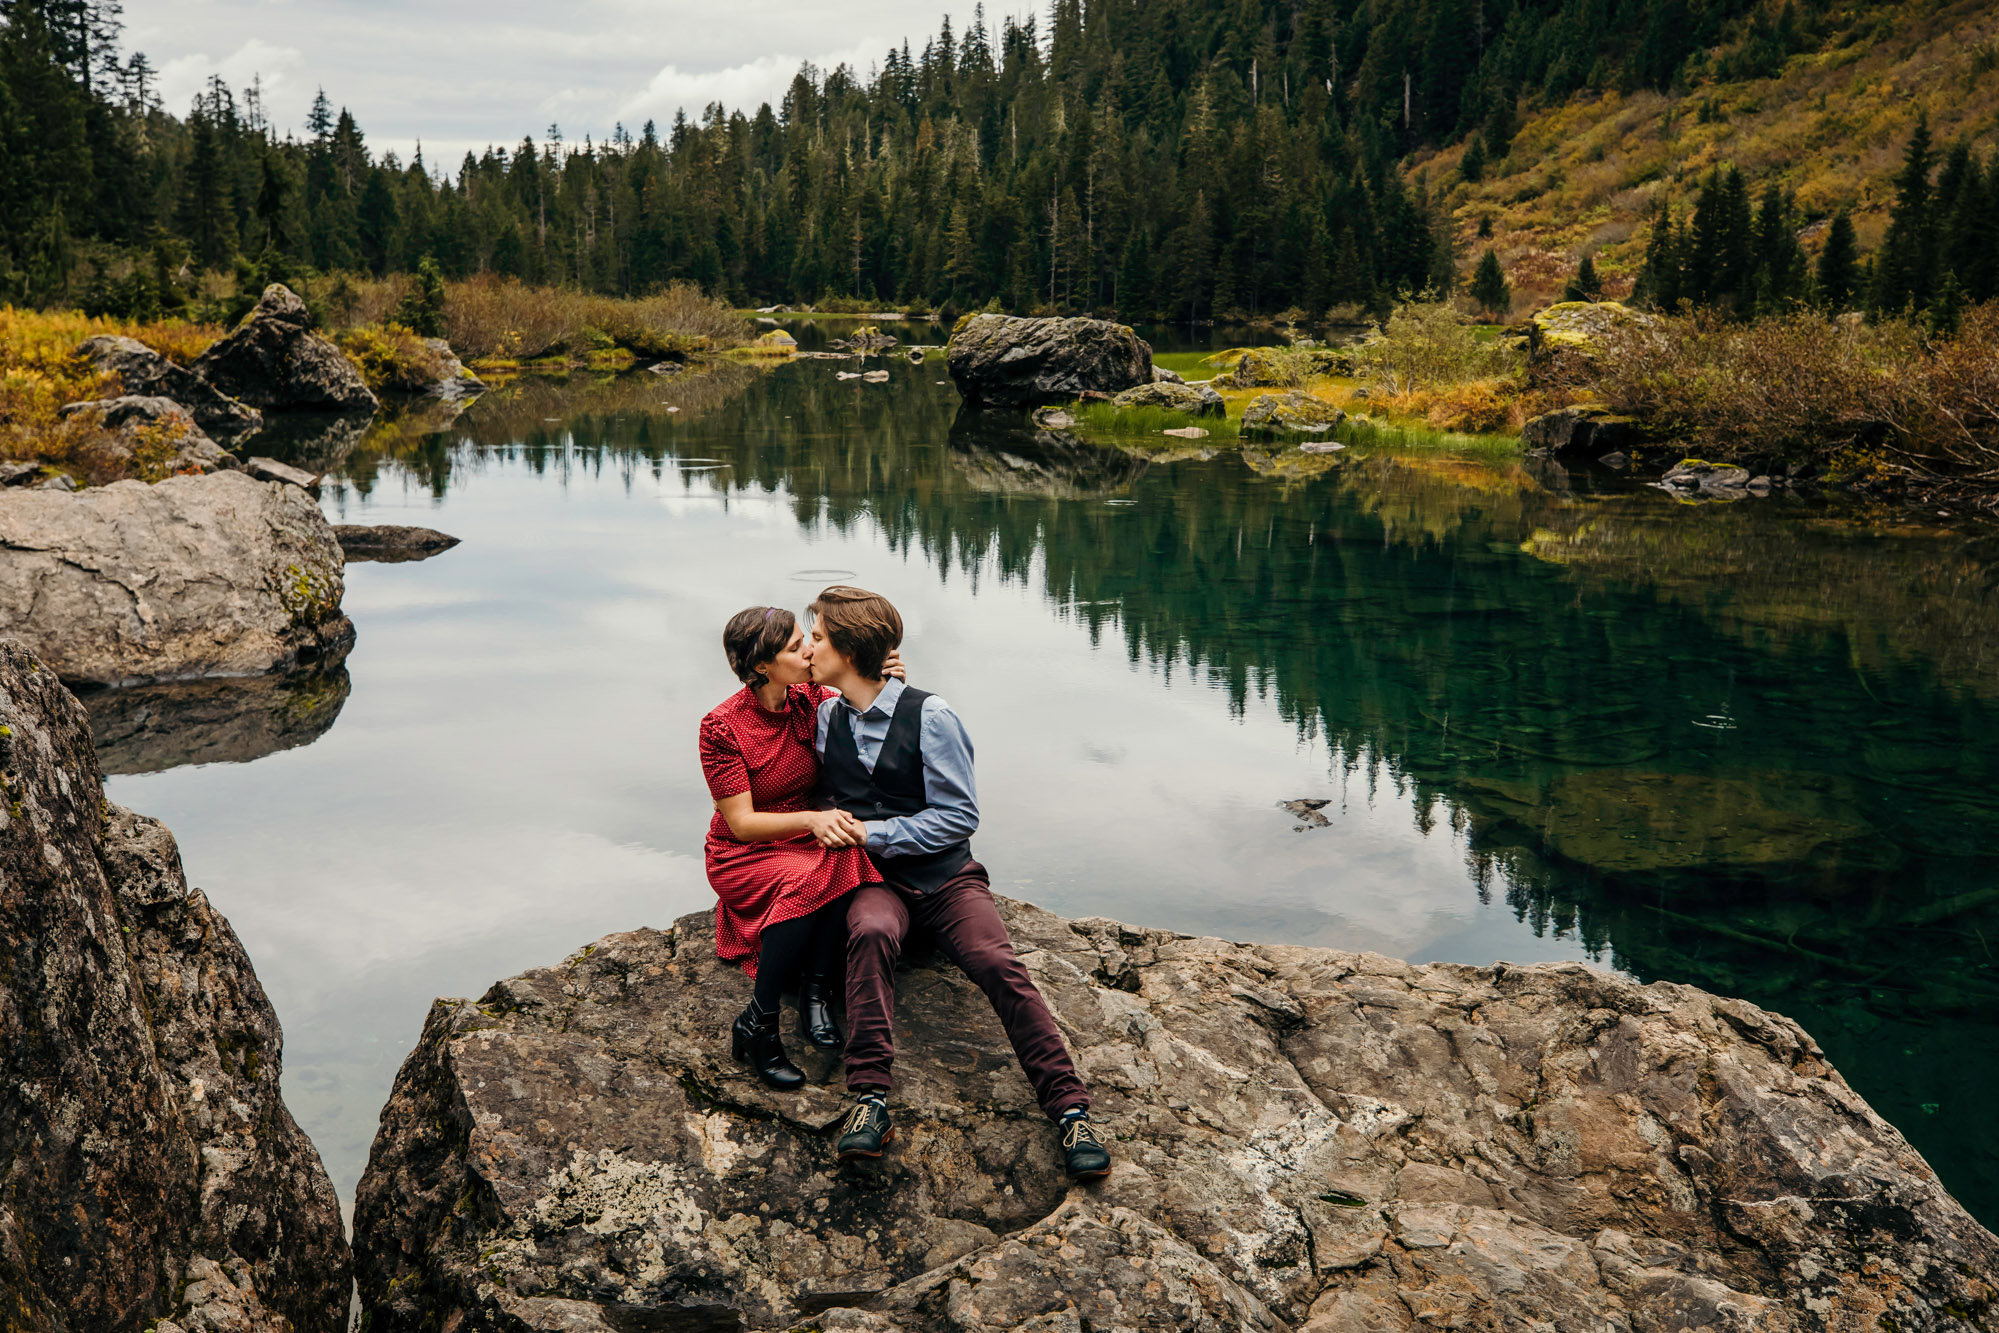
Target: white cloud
point(739, 87)
point(181, 77)
point(463, 74)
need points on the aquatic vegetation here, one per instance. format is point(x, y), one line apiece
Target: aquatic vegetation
point(1104, 419)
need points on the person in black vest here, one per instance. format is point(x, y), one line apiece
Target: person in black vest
point(898, 762)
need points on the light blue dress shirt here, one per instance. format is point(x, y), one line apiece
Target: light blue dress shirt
point(952, 816)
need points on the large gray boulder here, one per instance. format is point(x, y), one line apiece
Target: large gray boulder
point(1001, 361)
point(217, 575)
point(145, 373)
point(152, 1177)
point(275, 360)
point(1306, 1139)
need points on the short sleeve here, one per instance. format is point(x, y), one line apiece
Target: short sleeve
point(721, 762)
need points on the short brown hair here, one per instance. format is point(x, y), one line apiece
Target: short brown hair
point(863, 625)
point(755, 636)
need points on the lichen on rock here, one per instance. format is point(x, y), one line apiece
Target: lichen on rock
point(1305, 1139)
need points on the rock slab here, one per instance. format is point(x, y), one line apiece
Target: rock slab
point(147, 1160)
point(213, 575)
point(275, 360)
point(1002, 361)
point(1306, 1139)
point(391, 543)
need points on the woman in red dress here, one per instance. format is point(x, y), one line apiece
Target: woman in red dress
point(781, 868)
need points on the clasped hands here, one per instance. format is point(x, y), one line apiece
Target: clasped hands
point(837, 828)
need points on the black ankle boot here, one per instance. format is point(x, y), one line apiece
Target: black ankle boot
point(758, 1046)
point(815, 1015)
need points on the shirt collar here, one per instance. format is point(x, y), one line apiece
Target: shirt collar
point(884, 702)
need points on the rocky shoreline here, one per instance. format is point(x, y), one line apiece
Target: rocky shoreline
point(150, 1174)
point(1307, 1140)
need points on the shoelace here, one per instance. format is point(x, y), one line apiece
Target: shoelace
point(1081, 1131)
point(858, 1121)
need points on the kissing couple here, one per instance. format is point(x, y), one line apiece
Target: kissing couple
point(844, 814)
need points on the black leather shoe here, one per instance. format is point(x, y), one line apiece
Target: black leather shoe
point(866, 1132)
point(758, 1046)
point(1084, 1155)
point(815, 1015)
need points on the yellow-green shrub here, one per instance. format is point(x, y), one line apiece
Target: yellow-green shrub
point(392, 358)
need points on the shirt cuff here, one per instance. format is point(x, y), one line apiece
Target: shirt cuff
point(877, 835)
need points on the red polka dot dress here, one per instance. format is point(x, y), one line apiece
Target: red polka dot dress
point(745, 747)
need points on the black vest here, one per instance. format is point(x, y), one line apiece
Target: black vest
point(894, 788)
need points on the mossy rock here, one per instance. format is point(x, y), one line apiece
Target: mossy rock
point(1582, 324)
point(1290, 413)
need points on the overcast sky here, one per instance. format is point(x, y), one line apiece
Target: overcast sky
point(460, 75)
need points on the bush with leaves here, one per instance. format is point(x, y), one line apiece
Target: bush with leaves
point(393, 359)
point(1429, 345)
point(1800, 387)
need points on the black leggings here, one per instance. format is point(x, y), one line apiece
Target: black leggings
point(814, 944)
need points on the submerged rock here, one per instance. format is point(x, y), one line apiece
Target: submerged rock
point(1001, 361)
point(152, 1170)
point(145, 373)
point(275, 360)
point(1306, 1139)
point(1195, 400)
point(196, 576)
point(1290, 413)
point(390, 543)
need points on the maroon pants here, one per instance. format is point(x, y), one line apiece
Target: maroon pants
point(961, 917)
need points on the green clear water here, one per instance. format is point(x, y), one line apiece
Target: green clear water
point(1749, 747)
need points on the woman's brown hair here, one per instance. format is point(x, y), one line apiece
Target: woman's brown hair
point(863, 625)
point(754, 637)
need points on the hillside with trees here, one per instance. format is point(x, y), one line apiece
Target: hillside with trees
point(1176, 159)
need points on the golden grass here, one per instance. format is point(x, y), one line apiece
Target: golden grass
point(1586, 176)
point(40, 374)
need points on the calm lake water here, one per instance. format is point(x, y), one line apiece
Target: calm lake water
point(1752, 747)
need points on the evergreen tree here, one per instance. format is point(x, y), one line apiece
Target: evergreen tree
point(1838, 277)
point(1472, 164)
point(1585, 286)
point(1904, 275)
point(1489, 289)
point(421, 310)
point(1661, 283)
